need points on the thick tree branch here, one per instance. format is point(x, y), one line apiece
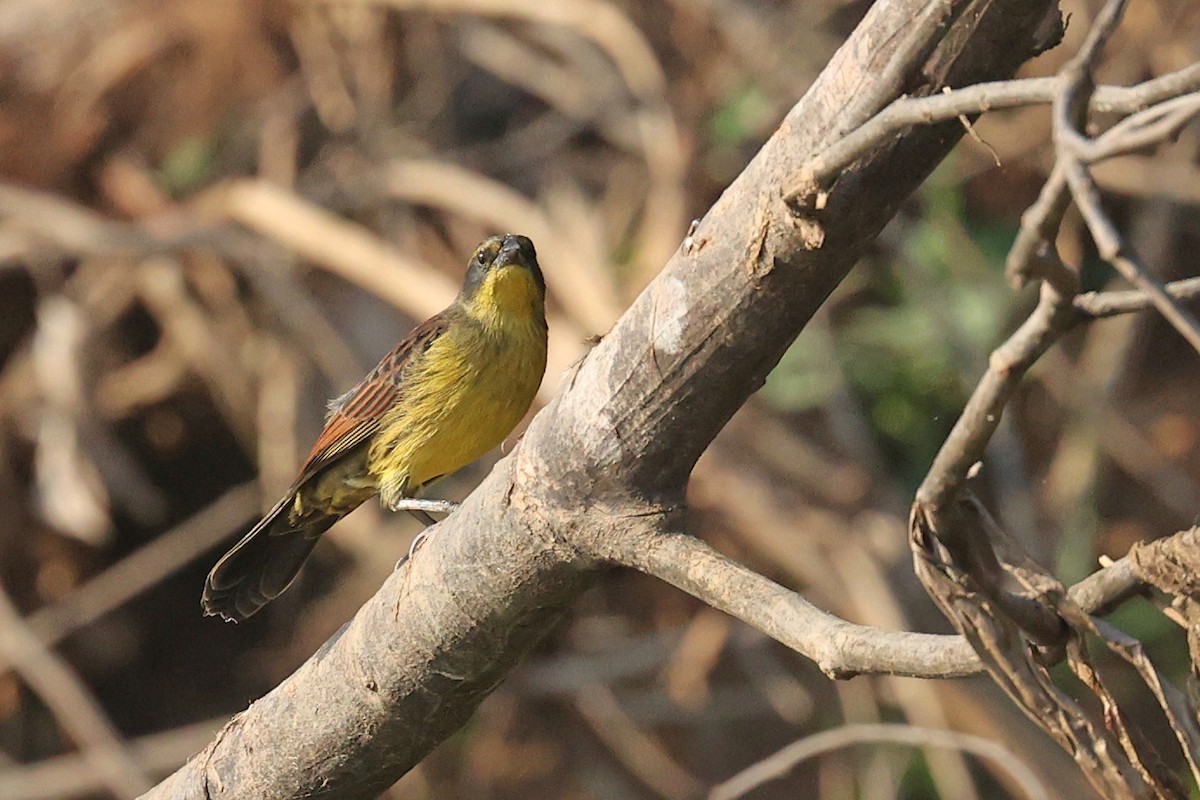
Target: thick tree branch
point(841, 649)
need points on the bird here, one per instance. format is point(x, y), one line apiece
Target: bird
point(450, 391)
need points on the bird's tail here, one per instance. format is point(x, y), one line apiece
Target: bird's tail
point(264, 563)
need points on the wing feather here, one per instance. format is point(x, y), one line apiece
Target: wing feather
point(355, 416)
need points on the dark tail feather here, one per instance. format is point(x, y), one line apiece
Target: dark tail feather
point(264, 563)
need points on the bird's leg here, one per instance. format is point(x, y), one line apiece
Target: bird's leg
point(420, 508)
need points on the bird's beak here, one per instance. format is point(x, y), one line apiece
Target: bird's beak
point(514, 252)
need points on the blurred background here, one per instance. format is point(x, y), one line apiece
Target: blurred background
point(216, 215)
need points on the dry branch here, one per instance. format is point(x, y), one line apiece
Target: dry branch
point(779, 764)
point(958, 548)
point(973, 100)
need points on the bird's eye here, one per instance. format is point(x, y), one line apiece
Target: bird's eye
point(487, 253)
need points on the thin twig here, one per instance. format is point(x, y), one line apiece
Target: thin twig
point(783, 761)
point(1152, 126)
point(1098, 305)
point(1074, 148)
point(1069, 109)
point(1033, 254)
point(907, 112)
point(919, 40)
point(1115, 251)
point(1107, 587)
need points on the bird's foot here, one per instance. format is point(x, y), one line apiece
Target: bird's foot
point(412, 504)
point(417, 541)
point(420, 509)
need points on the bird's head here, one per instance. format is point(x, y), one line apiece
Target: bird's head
point(504, 279)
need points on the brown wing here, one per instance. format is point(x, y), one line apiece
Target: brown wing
point(355, 416)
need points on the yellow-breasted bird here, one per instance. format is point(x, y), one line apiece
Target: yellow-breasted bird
point(453, 389)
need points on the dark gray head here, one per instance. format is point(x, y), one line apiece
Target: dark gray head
point(504, 281)
point(498, 252)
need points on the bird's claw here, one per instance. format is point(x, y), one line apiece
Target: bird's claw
point(417, 541)
point(420, 509)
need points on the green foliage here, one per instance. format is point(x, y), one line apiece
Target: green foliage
point(1075, 556)
point(912, 341)
point(189, 165)
point(741, 116)
point(917, 781)
point(806, 377)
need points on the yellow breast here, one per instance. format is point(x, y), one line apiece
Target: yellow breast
point(459, 400)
